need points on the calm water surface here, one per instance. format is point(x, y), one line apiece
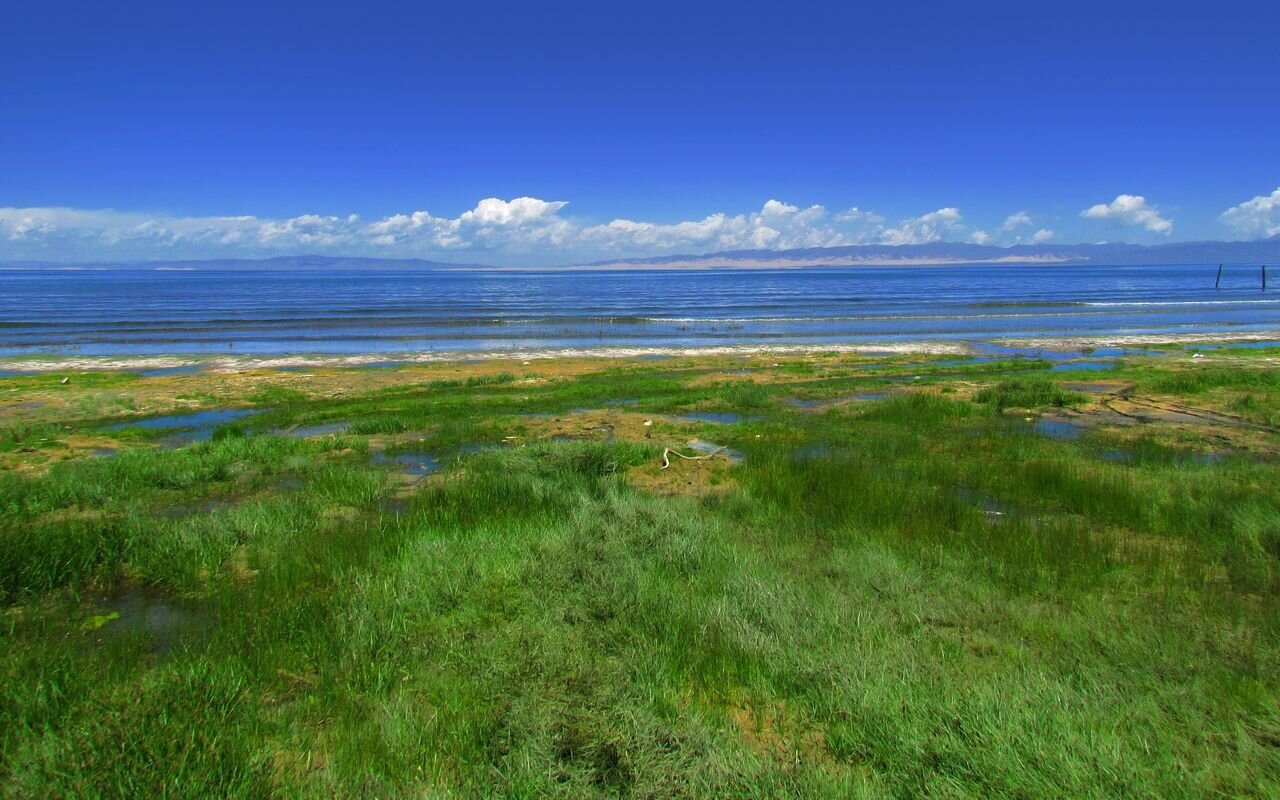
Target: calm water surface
point(163, 312)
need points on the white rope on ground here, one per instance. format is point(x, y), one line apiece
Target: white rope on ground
point(666, 462)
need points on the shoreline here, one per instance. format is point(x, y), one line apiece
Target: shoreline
point(221, 363)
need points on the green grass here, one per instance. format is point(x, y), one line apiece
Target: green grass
point(917, 596)
point(1035, 392)
point(1196, 381)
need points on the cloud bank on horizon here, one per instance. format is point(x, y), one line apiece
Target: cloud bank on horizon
point(529, 230)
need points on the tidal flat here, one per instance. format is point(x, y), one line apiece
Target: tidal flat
point(869, 576)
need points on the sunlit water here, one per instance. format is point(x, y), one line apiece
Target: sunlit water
point(140, 312)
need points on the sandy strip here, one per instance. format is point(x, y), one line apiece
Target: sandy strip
point(238, 363)
point(923, 347)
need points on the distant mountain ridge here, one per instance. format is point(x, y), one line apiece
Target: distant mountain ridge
point(1119, 253)
point(1264, 251)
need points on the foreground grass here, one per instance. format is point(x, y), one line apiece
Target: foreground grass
point(911, 596)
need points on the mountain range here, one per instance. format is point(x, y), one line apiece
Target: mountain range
point(1261, 251)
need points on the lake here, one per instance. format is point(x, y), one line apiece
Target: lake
point(341, 312)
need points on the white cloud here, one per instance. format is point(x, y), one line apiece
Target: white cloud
point(1017, 220)
point(856, 214)
point(979, 237)
point(1130, 210)
point(935, 226)
point(521, 230)
point(1041, 236)
point(1256, 218)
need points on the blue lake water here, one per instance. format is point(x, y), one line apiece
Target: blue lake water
point(140, 312)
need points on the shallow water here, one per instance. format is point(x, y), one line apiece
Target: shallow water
point(796, 402)
point(1091, 388)
point(716, 417)
point(735, 456)
point(1059, 429)
point(165, 622)
point(408, 463)
point(1083, 366)
point(160, 372)
point(195, 427)
point(307, 431)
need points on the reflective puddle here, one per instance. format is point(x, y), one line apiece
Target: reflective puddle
point(717, 417)
point(707, 448)
point(408, 463)
point(1059, 429)
point(164, 622)
point(1082, 366)
point(195, 427)
point(307, 431)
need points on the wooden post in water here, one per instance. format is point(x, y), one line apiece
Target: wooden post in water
point(1218, 282)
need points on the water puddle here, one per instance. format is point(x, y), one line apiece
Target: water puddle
point(191, 509)
point(416, 464)
point(164, 622)
point(1208, 459)
point(630, 401)
point(869, 396)
point(395, 506)
point(160, 372)
point(29, 405)
point(308, 431)
point(796, 402)
point(1118, 456)
point(1059, 429)
point(995, 511)
point(1117, 352)
point(701, 446)
point(1090, 388)
point(1077, 366)
point(815, 452)
point(964, 362)
point(716, 417)
point(194, 427)
point(476, 447)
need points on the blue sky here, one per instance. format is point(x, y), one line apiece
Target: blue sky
point(547, 133)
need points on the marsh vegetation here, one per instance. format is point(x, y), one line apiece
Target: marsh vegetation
point(478, 580)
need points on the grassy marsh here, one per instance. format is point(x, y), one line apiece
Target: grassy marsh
point(903, 589)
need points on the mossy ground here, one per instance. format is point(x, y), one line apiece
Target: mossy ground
point(478, 581)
